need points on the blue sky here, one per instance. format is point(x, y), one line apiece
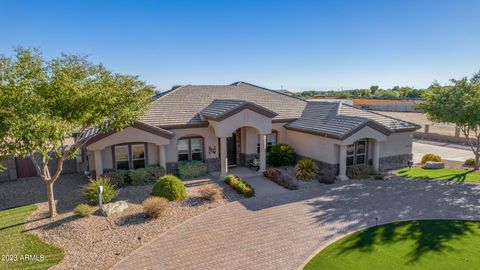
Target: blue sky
point(299, 45)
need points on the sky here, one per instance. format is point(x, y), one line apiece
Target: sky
point(295, 45)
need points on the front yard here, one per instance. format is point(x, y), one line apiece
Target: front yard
point(420, 244)
point(95, 242)
point(455, 175)
point(20, 249)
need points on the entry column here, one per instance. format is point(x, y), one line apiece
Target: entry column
point(342, 164)
point(223, 157)
point(263, 152)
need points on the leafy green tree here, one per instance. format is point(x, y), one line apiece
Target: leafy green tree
point(459, 104)
point(43, 103)
point(374, 89)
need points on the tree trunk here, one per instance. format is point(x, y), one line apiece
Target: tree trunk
point(51, 200)
point(477, 157)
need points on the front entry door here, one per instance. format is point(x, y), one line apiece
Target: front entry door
point(232, 149)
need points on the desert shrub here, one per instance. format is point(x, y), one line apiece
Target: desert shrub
point(239, 185)
point(281, 155)
point(84, 210)
point(191, 169)
point(117, 177)
point(283, 180)
point(109, 190)
point(360, 171)
point(431, 157)
point(470, 162)
point(155, 206)
point(140, 177)
point(170, 187)
point(156, 170)
point(306, 169)
point(211, 192)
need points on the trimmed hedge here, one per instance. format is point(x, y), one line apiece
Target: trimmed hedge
point(239, 185)
point(281, 155)
point(283, 180)
point(191, 169)
point(431, 157)
point(140, 177)
point(117, 177)
point(470, 162)
point(360, 171)
point(170, 187)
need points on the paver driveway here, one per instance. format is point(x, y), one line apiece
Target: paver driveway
point(282, 231)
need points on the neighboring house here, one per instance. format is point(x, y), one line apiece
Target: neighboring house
point(225, 125)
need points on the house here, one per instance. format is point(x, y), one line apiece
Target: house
point(224, 125)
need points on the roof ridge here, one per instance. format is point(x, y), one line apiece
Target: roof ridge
point(267, 89)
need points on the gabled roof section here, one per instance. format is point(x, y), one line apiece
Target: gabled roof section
point(181, 106)
point(93, 134)
point(340, 121)
point(220, 109)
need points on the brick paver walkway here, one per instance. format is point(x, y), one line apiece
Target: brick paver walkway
point(282, 231)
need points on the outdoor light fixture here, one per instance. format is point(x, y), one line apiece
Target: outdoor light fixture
point(100, 197)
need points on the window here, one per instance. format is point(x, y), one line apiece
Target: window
point(271, 141)
point(190, 149)
point(130, 156)
point(357, 153)
point(138, 156)
point(122, 158)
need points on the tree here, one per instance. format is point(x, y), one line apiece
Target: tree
point(42, 103)
point(458, 103)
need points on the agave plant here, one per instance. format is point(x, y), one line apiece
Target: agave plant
point(306, 169)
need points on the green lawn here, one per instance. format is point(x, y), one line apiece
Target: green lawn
point(456, 175)
point(426, 245)
point(16, 244)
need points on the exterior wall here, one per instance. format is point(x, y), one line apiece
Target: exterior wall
point(107, 157)
point(128, 135)
point(397, 144)
point(396, 151)
point(241, 119)
point(281, 132)
point(210, 147)
point(313, 146)
point(9, 172)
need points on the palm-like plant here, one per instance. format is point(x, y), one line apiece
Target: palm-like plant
point(306, 169)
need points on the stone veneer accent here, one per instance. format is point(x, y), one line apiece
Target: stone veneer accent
point(394, 162)
point(172, 167)
point(327, 169)
point(213, 164)
point(245, 159)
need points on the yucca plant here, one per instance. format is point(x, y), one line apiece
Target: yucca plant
point(109, 190)
point(306, 169)
point(281, 155)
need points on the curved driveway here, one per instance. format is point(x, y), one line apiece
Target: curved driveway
point(284, 230)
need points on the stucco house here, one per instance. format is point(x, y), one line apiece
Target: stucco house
point(225, 125)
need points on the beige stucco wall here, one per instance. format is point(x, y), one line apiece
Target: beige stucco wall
point(397, 144)
point(366, 132)
point(313, 146)
point(210, 140)
point(281, 132)
point(128, 135)
point(245, 118)
point(107, 157)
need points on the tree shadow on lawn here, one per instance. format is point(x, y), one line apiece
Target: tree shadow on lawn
point(425, 236)
point(455, 177)
point(366, 203)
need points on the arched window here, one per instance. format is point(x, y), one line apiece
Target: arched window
point(190, 148)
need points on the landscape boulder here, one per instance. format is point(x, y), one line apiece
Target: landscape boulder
point(114, 208)
point(434, 165)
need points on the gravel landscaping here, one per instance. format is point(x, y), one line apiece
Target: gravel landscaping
point(99, 242)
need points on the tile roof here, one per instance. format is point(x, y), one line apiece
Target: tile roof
point(339, 120)
point(220, 109)
point(182, 105)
